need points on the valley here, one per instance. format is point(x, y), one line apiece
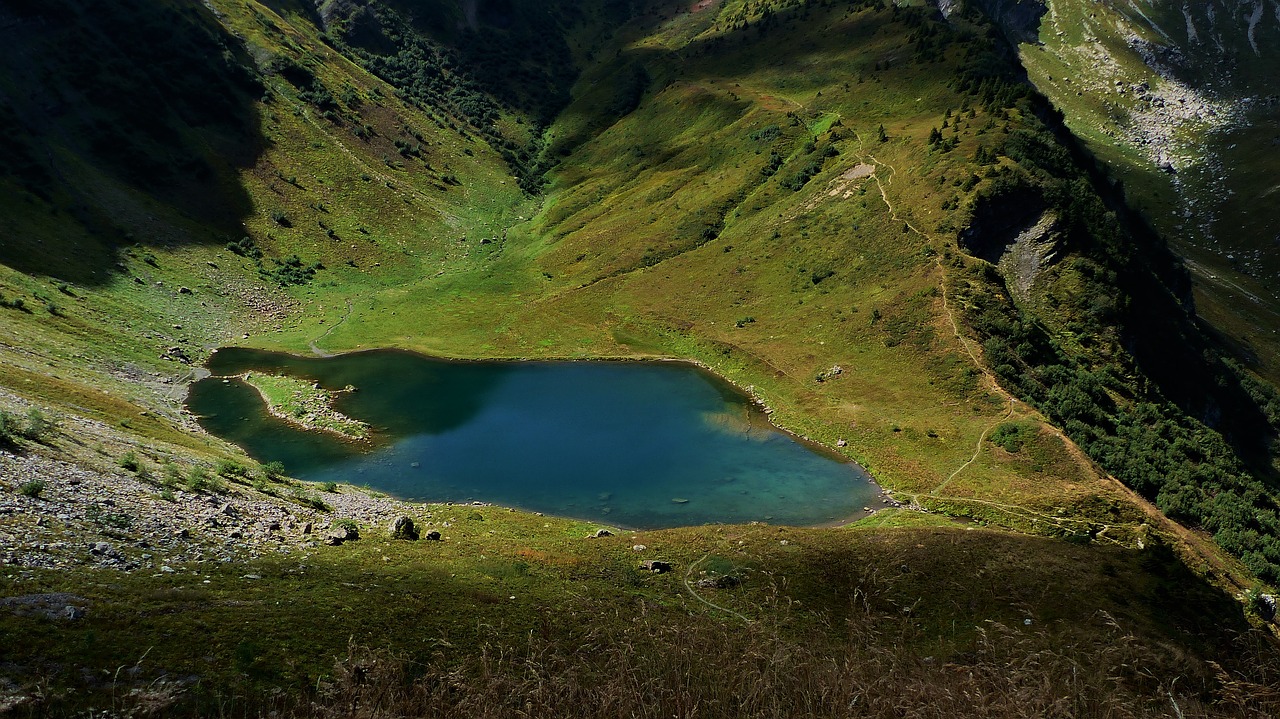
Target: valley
point(864, 214)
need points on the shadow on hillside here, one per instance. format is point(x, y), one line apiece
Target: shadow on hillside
point(118, 119)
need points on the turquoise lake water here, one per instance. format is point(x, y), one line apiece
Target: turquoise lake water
point(640, 445)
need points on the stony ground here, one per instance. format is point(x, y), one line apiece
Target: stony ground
point(88, 518)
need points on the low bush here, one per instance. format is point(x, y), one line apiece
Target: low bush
point(32, 489)
point(129, 461)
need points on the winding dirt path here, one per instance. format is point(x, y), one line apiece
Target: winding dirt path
point(992, 384)
point(313, 344)
point(1193, 543)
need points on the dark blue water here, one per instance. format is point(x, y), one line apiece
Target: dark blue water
point(641, 445)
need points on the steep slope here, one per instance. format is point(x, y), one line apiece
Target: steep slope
point(117, 278)
point(1179, 100)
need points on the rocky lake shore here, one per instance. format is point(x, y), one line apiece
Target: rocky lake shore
point(116, 521)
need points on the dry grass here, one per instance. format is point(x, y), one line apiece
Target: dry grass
point(665, 665)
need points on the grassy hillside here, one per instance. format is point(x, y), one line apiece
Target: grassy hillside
point(858, 211)
point(513, 614)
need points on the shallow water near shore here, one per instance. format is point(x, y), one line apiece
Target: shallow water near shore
point(632, 444)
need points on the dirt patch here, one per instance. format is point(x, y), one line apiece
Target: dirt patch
point(703, 5)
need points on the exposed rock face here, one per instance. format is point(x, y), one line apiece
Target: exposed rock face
point(1020, 19)
point(1029, 253)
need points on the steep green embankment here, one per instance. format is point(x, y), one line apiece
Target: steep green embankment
point(858, 210)
point(1179, 100)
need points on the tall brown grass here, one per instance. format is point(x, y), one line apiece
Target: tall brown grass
point(661, 664)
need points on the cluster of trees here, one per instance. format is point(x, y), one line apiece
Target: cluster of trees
point(511, 64)
point(284, 272)
point(1132, 431)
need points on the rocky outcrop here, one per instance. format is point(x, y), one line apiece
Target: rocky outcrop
point(1016, 233)
point(1020, 19)
point(1032, 250)
point(998, 221)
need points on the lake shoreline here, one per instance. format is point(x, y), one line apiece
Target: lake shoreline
point(553, 406)
point(749, 391)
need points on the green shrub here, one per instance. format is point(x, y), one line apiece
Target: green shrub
point(1012, 435)
point(290, 271)
point(172, 475)
point(307, 499)
point(35, 427)
point(129, 461)
point(115, 520)
point(198, 479)
point(32, 489)
point(768, 133)
point(246, 247)
point(330, 487)
point(273, 470)
point(231, 468)
point(10, 431)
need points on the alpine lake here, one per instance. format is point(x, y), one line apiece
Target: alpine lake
point(642, 445)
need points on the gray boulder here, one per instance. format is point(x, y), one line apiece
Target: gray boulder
point(656, 566)
point(341, 533)
point(403, 528)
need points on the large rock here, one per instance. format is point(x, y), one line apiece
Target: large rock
point(656, 566)
point(433, 535)
point(727, 581)
point(402, 528)
point(1267, 607)
point(341, 533)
